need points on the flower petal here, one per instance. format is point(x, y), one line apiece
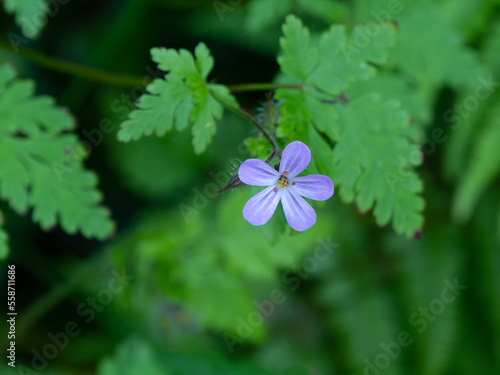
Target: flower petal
point(299, 214)
point(296, 157)
point(259, 209)
point(314, 186)
point(257, 173)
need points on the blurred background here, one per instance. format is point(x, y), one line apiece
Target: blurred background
point(186, 285)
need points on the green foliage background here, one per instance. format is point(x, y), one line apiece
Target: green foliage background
point(119, 121)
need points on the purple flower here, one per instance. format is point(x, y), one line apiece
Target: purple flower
point(285, 186)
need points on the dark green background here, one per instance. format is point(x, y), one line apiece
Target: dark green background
point(193, 281)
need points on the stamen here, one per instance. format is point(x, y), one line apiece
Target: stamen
point(283, 182)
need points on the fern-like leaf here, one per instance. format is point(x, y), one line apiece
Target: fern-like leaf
point(373, 159)
point(30, 15)
point(374, 163)
point(182, 98)
point(41, 163)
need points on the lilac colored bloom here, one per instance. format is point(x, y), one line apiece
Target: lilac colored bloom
point(284, 185)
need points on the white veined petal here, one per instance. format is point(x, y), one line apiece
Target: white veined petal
point(260, 208)
point(314, 186)
point(257, 173)
point(299, 214)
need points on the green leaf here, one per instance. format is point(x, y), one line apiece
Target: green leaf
point(374, 163)
point(325, 67)
point(21, 111)
point(299, 110)
point(444, 57)
point(180, 62)
point(222, 94)
point(30, 15)
point(182, 98)
point(468, 16)
point(295, 114)
point(258, 147)
point(169, 104)
point(207, 110)
point(482, 169)
point(373, 41)
point(41, 164)
point(299, 56)
point(391, 86)
point(332, 62)
point(344, 60)
point(204, 61)
point(374, 157)
point(323, 153)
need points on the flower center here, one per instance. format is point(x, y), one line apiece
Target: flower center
point(283, 182)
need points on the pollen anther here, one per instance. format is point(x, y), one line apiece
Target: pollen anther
point(285, 173)
point(283, 182)
point(275, 189)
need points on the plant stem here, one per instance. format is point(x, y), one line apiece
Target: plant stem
point(103, 76)
point(262, 87)
point(77, 70)
point(250, 117)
